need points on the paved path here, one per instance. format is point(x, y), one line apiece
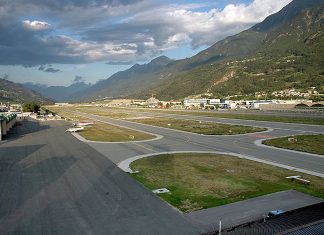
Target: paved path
point(52, 183)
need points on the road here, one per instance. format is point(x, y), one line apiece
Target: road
point(52, 183)
point(174, 140)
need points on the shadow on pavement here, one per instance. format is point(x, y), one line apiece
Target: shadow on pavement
point(25, 127)
point(26, 180)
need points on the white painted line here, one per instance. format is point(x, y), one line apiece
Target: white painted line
point(236, 121)
point(249, 120)
point(117, 142)
point(125, 165)
point(193, 133)
point(165, 128)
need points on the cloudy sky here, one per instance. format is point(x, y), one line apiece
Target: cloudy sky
point(54, 41)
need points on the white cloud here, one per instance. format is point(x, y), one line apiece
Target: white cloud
point(252, 13)
point(120, 32)
point(203, 27)
point(152, 31)
point(36, 25)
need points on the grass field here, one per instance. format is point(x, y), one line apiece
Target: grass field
point(207, 128)
point(314, 121)
point(198, 181)
point(105, 112)
point(102, 131)
point(122, 113)
point(110, 133)
point(305, 143)
point(252, 116)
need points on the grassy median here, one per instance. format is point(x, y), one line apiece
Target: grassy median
point(304, 143)
point(102, 131)
point(110, 133)
point(248, 116)
point(198, 181)
point(105, 112)
point(258, 117)
point(200, 127)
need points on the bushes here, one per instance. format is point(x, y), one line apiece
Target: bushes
point(31, 107)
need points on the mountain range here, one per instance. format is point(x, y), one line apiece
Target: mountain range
point(14, 92)
point(283, 51)
point(58, 93)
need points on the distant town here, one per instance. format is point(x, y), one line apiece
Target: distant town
point(210, 103)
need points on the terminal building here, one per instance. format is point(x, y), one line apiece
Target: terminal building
point(209, 103)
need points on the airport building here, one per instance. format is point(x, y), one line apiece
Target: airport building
point(7, 121)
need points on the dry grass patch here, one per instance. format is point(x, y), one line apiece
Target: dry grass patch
point(110, 133)
point(102, 131)
point(104, 112)
point(200, 127)
point(305, 143)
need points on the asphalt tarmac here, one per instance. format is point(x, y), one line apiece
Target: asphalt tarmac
point(52, 183)
point(174, 140)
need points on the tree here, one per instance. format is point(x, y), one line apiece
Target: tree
point(31, 107)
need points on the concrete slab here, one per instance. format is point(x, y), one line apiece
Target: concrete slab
point(249, 210)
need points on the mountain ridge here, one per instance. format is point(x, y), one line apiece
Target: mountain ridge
point(127, 82)
point(216, 70)
point(58, 93)
point(15, 92)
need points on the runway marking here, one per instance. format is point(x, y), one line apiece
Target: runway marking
point(125, 164)
point(139, 145)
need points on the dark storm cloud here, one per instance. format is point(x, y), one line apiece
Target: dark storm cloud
point(48, 69)
point(42, 68)
point(24, 42)
point(78, 79)
point(119, 62)
point(52, 70)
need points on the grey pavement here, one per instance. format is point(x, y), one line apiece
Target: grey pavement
point(302, 113)
point(250, 210)
point(303, 128)
point(174, 140)
point(52, 183)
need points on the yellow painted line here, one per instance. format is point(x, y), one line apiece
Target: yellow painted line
point(139, 145)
